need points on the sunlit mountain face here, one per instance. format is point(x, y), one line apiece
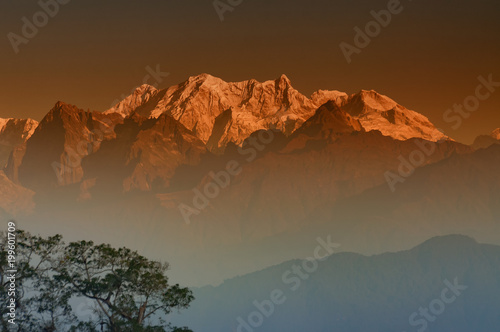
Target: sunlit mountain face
point(210, 171)
point(328, 166)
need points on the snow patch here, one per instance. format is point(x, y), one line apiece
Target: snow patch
point(3, 123)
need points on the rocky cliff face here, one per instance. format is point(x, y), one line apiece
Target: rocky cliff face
point(145, 154)
point(62, 139)
point(14, 132)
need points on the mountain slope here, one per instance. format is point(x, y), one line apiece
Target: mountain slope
point(15, 199)
point(54, 152)
point(145, 154)
point(485, 141)
point(279, 189)
point(14, 132)
point(379, 112)
point(329, 122)
point(458, 194)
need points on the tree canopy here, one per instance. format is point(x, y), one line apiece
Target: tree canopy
point(128, 292)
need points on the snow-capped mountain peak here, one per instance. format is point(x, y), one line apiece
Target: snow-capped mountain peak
point(30, 127)
point(379, 112)
point(283, 81)
point(321, 97)
point(222, 112)
point(200, 101)
point(140, 96)
point(375, 100)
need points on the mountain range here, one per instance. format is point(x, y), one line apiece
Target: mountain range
point(219, 112)
point(280, 169)
point(448, 283)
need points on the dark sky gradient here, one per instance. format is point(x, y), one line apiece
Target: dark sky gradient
point(93, 51)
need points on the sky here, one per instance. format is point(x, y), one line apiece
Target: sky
point(91, 52)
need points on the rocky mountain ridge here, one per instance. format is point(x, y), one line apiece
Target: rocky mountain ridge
point(219, 112)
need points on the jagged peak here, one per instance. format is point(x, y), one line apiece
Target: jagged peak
point(330, 119)
point(374, 99)
point(145, 88)
point(141, 94)
point(284, 79)
point(364, 94)
point(331, 106)
point(61, 105)
point(214, 83)
point(202, 76)
point(368, 92)
point(205, 79)
point(282, 82)
point(61, 108)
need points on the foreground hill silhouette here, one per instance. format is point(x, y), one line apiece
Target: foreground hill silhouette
point(350, 292)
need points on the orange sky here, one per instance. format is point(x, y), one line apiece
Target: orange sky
point(91, 52)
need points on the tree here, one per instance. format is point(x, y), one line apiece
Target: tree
point(41, 301)
point(130, 292)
